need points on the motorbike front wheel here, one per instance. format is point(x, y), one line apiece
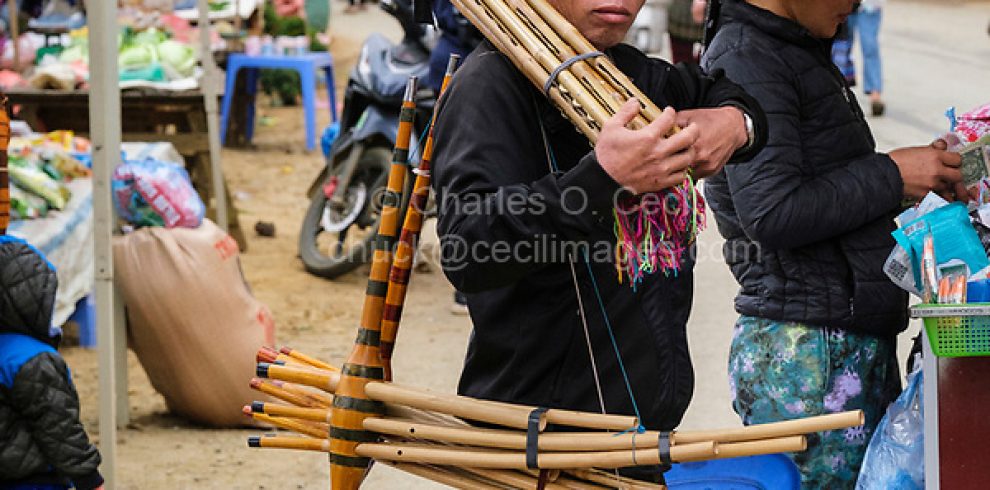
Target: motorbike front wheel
point(335, 240)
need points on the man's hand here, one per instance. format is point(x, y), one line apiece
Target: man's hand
point(722, 132)
point(644, 160)
point(930, 168)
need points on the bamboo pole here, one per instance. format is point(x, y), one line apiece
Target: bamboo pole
point(819, 423)
point(405, 249)
point(791, 444)
point(505, 414)
point(283, 442)
point(510, 47)
point(4, 176)
point(277, 410)
point(598, 441)
point(351, 404)
point(295, 395)
point(515, 460)
point(272, 356)
point(459, 406)
point(610, 73)
point(305, 359)
point(424, 416)
point(324, 380)
point(305, 427)
point(549, 62)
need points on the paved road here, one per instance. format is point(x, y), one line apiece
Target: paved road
point(936, 55)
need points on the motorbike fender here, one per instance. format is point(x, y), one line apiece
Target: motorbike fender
point(374, 124)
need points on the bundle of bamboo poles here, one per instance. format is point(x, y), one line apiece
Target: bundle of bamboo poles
point(430, 434)
point(552, 53)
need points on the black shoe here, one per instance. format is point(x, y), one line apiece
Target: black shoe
point(877, 108)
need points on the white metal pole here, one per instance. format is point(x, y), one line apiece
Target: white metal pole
point(209, 86)
point(930, 410)
point(104, 119)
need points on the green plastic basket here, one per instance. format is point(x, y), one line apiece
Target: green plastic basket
point(956, 330)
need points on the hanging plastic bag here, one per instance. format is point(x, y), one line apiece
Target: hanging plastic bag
point(895, 457)
point(155, 193)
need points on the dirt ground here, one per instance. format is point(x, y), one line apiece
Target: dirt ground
point(320, 317)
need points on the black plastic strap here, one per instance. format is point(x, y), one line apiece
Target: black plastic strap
point(533, 436)
point(563, 66)
point(663, 444)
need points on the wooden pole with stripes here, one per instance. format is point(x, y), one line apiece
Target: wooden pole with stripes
point(405, 250)
point(4, 179)
point(350, 404)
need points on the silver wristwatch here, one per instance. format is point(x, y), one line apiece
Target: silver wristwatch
point(750, 130)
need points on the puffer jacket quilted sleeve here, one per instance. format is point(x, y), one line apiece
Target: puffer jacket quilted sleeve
point(47, 402)
point(782, 202)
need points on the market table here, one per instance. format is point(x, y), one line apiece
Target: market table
point(177, 117)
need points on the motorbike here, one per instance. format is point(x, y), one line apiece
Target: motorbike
point(339, 228)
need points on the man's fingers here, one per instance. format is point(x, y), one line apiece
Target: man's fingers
point(685, 138)
point(950, 175)
point(940, 144)
point(684, 118)
point(951, 159)
point(625, 115)
point(663, 124)
point(962, 194)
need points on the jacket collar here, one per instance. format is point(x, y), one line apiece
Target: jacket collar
point(770, 23)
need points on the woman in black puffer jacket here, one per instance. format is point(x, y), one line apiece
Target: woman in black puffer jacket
point(807, 226)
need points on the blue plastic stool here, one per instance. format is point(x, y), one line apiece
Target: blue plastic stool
point(768, 472)
point(305, 64)
point(85, 317)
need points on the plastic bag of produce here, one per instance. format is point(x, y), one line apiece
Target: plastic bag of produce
point(156, 193)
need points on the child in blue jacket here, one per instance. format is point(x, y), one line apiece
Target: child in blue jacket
point(42, 442)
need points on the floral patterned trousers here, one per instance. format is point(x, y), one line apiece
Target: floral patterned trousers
point(780, 371)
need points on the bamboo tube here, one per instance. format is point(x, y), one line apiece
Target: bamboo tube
point(4, 177)
point(443, 476)
point(610, 73)
point(516, 460)
point(515, 416)
point(505, 414)
point(507, 45)
point(276, 391)
point(276, 410)
point(324, 380)
point(423, 416)
point(312, 361)
point(610, 480)
point(819, 423)
point(405, 250)
point(282, 442)
point(350, 404)
point(316, 397)
point(272, 356)
point(547, 60)
point(610, 98)
point(508, 439)
point(791, 444)
point(300, 426)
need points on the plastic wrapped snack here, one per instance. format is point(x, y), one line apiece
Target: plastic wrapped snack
point(31, 178)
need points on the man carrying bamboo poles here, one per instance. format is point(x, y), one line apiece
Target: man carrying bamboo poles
point(528, 226)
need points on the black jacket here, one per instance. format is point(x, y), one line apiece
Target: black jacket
point(807, 222)
point(41, 438)
point(494, 186)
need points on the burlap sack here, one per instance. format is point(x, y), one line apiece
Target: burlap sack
point(192, 320)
